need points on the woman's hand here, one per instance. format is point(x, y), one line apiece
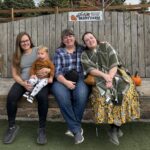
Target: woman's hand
point(70, 84)
point(107, 77)
point(27, 86)
point(43, 72)
point(109, 84)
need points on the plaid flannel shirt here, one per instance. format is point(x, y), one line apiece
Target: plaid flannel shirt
point(65, 62)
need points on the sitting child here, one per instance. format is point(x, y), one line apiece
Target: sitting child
point(38, 83)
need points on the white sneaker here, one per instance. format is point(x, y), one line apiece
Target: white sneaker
point(69, 133)
point(30, 99)
point(26, 94)
point(78, 138)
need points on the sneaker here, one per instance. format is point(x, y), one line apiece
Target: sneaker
point(78, 138)
point(10, 134)
point(41, 139)
point(26, 94)
point(30, 99)
point(112, 133)
point(69, 133)
point(119, 133)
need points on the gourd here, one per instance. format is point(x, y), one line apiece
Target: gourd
point(136, 79)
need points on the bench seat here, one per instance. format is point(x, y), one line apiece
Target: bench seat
point(28, 111)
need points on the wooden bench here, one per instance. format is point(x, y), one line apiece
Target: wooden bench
point(28, 111)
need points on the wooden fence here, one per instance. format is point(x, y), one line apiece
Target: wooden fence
point(128, 32)
point(11, 13)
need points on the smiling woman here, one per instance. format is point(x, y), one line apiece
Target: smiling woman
point(71, 93)
point(114, 98)
point(25, 54)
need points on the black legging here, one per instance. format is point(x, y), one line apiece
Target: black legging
point(15, 95)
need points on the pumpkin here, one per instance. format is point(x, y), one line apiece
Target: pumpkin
point(137, 79)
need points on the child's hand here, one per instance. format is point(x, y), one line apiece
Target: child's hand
point(33, 76)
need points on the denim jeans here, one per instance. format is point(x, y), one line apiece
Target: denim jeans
point(71, 102)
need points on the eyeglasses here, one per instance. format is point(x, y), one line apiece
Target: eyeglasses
point(68, 36)
point(26, 41)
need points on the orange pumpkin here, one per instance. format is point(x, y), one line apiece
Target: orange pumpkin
point(137, 79)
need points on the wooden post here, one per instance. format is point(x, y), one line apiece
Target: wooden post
point(56, 10)
point(12, 14)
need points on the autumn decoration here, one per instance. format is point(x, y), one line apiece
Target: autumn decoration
point(137, 79)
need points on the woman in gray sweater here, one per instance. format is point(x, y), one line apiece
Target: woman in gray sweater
point(24, 55)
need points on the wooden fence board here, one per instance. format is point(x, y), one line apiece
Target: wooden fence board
point(22, 25)
point(10, 47)
point(147, 44)
point(40, 29)
point(46, 31)
point(64, 20)
point(76, 31)
point(34, 33)
point(114, 30)
point(52, 34)
point(70, 23)
point(108, 26)
point(16, 31)
point(95, 28)
point(82, 30)
point(101, 31)
point(88, 26)
point(127, 41)
point(58, 30)
point(3, 51)
point(121, 37)
point(140, 45)
point(28, 24)
point(134, 42)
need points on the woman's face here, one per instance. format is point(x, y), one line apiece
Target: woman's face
point(69, 40)
point(25, 43)
point(90, 41)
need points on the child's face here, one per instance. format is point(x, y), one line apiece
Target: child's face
point(42, 54)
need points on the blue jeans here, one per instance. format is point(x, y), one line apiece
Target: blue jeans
point(71, 102)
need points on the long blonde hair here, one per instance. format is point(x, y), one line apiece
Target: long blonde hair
point(19, 51)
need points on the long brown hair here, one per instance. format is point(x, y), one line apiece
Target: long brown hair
point(19, 51)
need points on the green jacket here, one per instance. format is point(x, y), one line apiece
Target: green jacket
point(104, 58)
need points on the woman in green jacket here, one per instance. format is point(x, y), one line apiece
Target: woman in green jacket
point(114, 98)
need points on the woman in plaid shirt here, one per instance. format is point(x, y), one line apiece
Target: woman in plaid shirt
point(69, 89)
